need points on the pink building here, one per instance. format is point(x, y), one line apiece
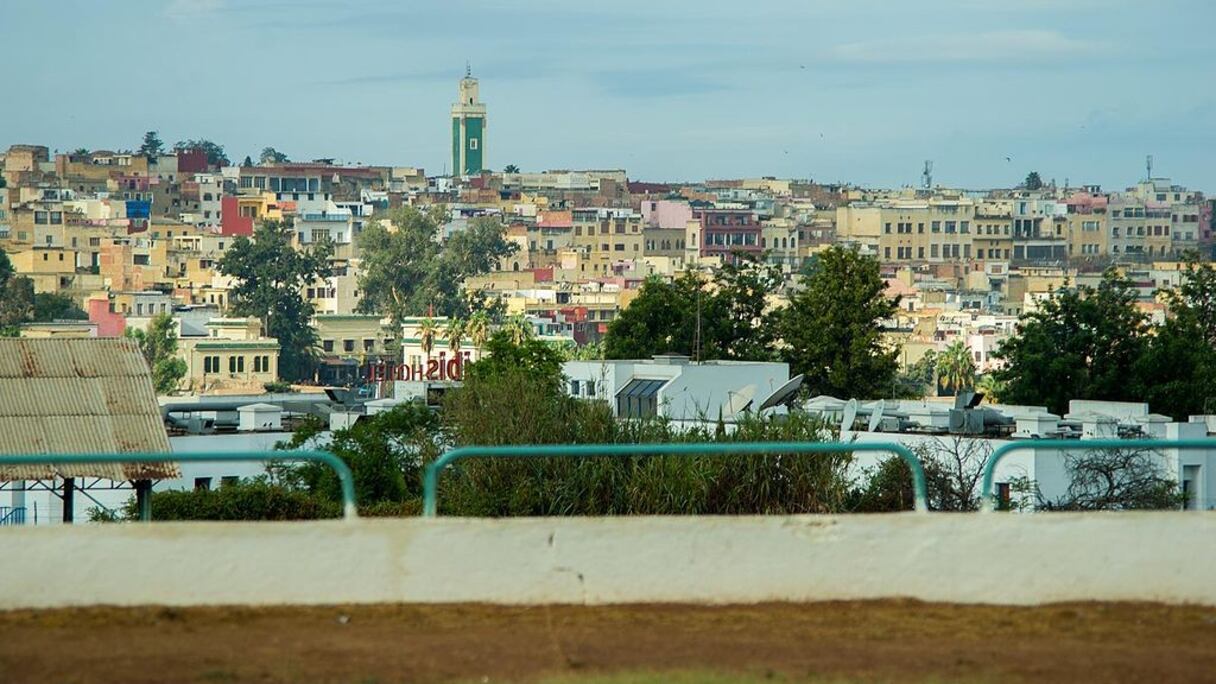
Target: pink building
point(666, 214)
point(109, 323)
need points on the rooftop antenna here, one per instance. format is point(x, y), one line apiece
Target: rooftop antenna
point(926, 176)
point(1148, 167)
point(468, 69)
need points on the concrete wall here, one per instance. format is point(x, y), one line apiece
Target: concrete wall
point(965, 558)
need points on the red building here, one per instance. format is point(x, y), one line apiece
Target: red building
point(725, 232)
point(231, 221)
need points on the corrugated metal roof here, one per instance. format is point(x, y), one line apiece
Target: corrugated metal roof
point(79, 396)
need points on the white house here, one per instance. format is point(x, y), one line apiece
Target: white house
point(676, 387)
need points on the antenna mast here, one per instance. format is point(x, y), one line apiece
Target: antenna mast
point(1148, 167)
point(926, 176)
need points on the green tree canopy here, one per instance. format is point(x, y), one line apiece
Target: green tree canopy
point(728, 311)
point(158, 344)
point(16, 298)
point(215, 152)
point(53, 306)
point(956, 367)
point(272, 156)
point(511, 168)
point(1081, 343)
point(270, 278)
point(152, 146)
point(1033, 181)
point(407, 271)
point(832, 329)
point(1177, 373)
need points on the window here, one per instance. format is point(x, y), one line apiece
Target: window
point(574, 388)
point(472, 143)
point(257, 364)
point(936, 226)
point(40, 217)
point(348, 345)
point(950, 226)
point(590, 388)
point(920, 227)
point(231, 364)
point(887, 228)
point(639, 398)
point(368, 345)
point(202, 483)
point(327, 345)
point(932, 251)
point(886, 252)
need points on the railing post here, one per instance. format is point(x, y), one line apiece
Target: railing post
point(69, 500)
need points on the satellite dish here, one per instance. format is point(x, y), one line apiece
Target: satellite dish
point(740, 401)
point(850, 415)
point(784, 394)
point(876, 415)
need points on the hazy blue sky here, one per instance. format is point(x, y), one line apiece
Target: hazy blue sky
point(858, 90)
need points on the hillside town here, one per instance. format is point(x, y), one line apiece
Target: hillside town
point(110, 239)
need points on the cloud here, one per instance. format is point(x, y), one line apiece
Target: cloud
point(983, 47)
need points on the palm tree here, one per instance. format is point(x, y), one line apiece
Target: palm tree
point(427, 332)
point(519, 329)
point(956, 368)
point(991, 387)
point(478, 329)
point(454, 334)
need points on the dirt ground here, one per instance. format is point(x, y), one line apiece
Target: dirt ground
point(897, 641)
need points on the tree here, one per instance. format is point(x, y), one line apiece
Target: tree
point(518, 328)
point(511, 168)
point(1081, 343)
point(723, 316)
point(406, 271)
point(248, 161)
point(832, 329)
point(270, 278)
point(454, 334)
point(428, 330)
point(1177, 373)
point(215, 152)
point(993, 389)
point(746, 330)
point(272, 156)
point(956, 367)
point(912, 382)
point(152, 147)
point(80, 152)
point(478, 328)
point(159, 347)
point(1110, 479)
point(52, 306)
point(1033, 181)
point(16, 298)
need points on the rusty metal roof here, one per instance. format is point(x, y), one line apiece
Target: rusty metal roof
point(88, 395)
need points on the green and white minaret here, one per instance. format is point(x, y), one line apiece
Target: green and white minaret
point(468, 129)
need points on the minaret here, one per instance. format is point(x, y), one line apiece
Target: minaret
point(468, 129)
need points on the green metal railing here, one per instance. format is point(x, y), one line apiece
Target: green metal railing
point(345, 478)
point(989, 499)
point(430, 482)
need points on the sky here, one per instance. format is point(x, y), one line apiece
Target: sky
point(862, 91)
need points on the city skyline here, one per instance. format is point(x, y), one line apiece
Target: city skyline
point(862, 94)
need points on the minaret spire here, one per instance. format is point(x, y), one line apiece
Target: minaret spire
point(468, 69)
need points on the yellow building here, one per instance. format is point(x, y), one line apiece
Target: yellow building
point(1088, 235)
point(605, 237)
point(931, 230)
point(233, 358)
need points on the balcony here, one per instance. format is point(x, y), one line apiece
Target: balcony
point(325, 216)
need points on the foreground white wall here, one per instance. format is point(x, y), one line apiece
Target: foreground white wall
point(966, 558)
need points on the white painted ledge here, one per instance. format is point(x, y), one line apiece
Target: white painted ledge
point(961, 558)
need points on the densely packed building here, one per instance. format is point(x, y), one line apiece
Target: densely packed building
point(128, 235)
